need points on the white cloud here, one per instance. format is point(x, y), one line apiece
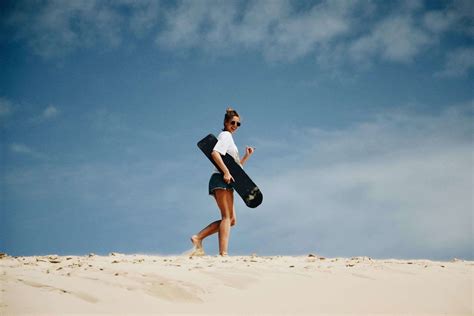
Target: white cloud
point(50, 112)
point(144, 15)
point(27, 151)
point(299, 35)
point(56, 28)
point(439, 21)
point(335, 33)
point(209, 25)
point(271, 27)
point(26, 111)
point(400, 185)
point(402, 35)
point(259, 21)
point(396, 39)
point(20, 148)
point(456, 16)
point(458, 63)
point(47, 114)
point(6, 107)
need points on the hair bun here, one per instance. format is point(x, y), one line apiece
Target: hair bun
point(229, 109)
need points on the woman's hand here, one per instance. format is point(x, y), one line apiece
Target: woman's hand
point(228, 178)
point(249, 151)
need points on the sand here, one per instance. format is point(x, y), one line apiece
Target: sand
point(256, 285)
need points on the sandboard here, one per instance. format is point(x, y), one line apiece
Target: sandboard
point(245, 187)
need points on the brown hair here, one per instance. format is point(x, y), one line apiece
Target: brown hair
point(229, 114)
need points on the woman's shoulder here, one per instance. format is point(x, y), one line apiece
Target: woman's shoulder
point(224, 134)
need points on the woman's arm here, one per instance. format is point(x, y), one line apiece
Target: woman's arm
point(248, 153)
point(218, 159)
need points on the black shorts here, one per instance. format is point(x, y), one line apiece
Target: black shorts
point(217, 182)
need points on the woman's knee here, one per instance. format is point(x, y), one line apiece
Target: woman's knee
point(225, 201)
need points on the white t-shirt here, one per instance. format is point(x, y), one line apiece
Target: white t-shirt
point(225, 145)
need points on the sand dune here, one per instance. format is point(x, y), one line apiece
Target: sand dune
point(134, 284)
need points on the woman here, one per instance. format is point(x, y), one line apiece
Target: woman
point(220, 185)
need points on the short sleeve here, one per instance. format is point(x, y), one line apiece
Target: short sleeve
point(224, 140)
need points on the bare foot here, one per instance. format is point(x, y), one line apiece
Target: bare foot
point(196, 242)
point(224, 254)
point(198, 252)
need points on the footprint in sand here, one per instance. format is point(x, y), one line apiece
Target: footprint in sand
point(80, 295)
point(170, 290)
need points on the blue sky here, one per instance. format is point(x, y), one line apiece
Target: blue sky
point(360, 112)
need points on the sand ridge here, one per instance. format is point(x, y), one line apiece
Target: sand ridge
point(311, 284)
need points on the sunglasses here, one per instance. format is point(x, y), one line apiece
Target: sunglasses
point(234, 122)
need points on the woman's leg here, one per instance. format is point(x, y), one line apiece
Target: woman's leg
point(224, 200)
point(233, 219)
point(214, 227)
point(210, 229)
